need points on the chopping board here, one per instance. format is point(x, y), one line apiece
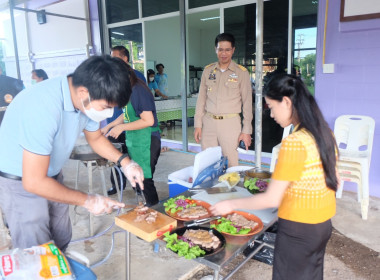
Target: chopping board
point(145, 231)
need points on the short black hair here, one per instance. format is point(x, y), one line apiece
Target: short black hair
point(105, 77)
point(40, 74)
point(150, 72)
point(158, 65)
point(123, 50)
point(225, 37)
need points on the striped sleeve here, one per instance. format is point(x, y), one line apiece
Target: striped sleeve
point(291, 160)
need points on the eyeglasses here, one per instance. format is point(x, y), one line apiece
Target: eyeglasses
point(223, 50)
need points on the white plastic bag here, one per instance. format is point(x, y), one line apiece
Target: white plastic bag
point(39, 262)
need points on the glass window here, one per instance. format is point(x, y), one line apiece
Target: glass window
point(305, 41)
point(241, 22)
point(130, 36)
point(121, 10)
point(153, 7)
point(202, 3)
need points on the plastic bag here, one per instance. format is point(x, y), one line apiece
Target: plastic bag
point(38, 262)
point(266, 254)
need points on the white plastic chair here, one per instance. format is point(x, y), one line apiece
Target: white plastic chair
point(276, 149)
point(354, 135)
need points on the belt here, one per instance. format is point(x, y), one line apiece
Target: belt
point(221, 117)
point(18, 178)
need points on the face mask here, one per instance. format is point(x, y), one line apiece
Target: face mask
point(151, 79)
point(34, 82)
point(95, 115)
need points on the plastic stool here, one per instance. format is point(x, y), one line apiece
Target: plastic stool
point(80, 271)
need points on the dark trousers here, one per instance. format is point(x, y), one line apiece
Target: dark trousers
point(150, 191)
point(120, 140)
point(300, 250)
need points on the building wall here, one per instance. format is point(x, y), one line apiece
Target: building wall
point(64, 33)
point(58, 46)
point(354, 49)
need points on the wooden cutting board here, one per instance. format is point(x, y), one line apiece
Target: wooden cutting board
point(146, 231)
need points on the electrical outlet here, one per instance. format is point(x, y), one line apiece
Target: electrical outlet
point(328, 68)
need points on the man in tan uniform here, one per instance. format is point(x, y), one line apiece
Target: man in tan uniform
point(224, 93)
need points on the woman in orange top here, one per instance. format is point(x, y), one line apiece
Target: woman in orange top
point(303, 184)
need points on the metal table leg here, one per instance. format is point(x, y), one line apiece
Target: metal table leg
point(246, 260)
point(89, 171)
point(116, 182)
point(103, 179)
point(127, 256)
point(77, 175)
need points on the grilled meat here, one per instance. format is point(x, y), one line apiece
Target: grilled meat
point(193, 212)
point(239, 220)
point(145, 214)
point(203, 238)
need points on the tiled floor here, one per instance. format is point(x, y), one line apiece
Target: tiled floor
point(174, 132)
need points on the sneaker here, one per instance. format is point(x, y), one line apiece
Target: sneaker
point(113, 190)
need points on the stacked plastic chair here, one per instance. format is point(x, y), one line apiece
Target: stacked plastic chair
point(276, 149)
point(354, 135)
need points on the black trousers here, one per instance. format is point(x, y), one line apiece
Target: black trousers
point(150, 191)
point(300, 250)
point(120, 140)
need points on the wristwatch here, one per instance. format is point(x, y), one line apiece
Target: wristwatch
point(123, 156)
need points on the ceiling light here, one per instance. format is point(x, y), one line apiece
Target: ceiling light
point(117, 33)
point(209, 18)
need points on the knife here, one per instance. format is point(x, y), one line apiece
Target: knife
point(140, 195)
point(201, 221)
point(216, 190)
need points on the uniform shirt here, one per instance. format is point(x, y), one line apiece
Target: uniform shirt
point(162, 82)
point(142, 100)
point(42, 120)
point(307, 199)
point(118, 111)
point(225, 92)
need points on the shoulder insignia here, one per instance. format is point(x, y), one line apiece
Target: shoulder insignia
point(209, 65)
point(242, 67)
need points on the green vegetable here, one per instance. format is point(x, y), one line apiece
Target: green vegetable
point(256, 185)
point(225, 225)
point(182, 248)
point(172, 207)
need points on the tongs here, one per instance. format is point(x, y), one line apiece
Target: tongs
point(201, 221)
point(140, 197)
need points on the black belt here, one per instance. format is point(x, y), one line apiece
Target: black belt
point(18, 178)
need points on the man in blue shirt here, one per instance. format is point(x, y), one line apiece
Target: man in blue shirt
point(162, 79)
point(37, 136)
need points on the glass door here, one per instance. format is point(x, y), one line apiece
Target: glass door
point(130, 36)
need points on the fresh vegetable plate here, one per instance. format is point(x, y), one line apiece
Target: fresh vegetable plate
point(226, 227)
point(179, 245)
point(174, 205)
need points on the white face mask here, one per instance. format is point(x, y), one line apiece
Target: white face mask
point(34, 82)
point(95, 115)
point(151, 79)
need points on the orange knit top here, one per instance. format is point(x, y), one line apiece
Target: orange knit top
point(307, 199)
